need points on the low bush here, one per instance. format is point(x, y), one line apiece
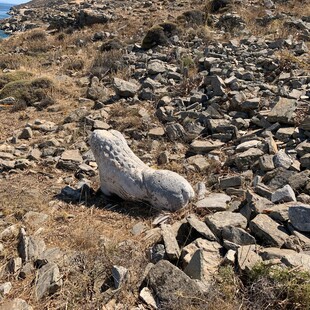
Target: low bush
point(27, 91)
point(9, 77)
point(159, 35)
point(10, 61)
point(107, 62)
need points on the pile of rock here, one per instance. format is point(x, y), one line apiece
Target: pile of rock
point(242, 122)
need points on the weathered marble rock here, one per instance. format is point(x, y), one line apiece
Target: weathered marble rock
point(124, 174)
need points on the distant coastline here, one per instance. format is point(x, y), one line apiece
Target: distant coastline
point(4, 9)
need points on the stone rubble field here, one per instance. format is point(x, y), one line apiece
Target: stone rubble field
point(227, 110)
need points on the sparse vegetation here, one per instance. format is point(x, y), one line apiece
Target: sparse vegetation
point(50, 74)
point(159, 35)
point(27, 91)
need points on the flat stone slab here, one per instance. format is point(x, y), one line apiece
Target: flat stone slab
point(203, 147)
point(299, 216)
point(297, 260)
point(214, 202)
point(268, 230)
point(219, 220)
point(232, 181)
point(272, 253)
point(72, 155)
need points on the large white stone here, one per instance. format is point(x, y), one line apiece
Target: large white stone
point(124, 174)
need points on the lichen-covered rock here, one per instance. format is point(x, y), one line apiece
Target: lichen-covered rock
point(124, 174)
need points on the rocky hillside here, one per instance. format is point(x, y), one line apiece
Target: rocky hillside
point(216, 91)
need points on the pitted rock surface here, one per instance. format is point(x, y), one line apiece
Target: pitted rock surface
point(124, 174)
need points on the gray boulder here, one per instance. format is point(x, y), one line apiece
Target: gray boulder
point(284, 194)
point(48, 280)
point(169, 283)
point(125, 89)
point(299, 216)
point(268, 230)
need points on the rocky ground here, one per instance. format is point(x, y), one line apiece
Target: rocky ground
point(217, 91)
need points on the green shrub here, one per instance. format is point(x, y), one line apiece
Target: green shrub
point(75, 64)
point(273, 287)
point(113, 44)
point(27, 91)
point(8, 61)
point(159, 35)
point(193, 17)
point(37, 35)
point(9, 77)
point(107, 62)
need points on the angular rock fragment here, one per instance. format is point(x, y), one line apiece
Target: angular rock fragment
point(268, 231)
point(169, 283)
point(299, 216)
point(147, 297)
point(283, 112)
point(171, 245)
point(70, 160)
point(245, 160)
point(284, 194)
point(203, 264)
point(214, 202)
point(200, 227)
point(237, 235)
point(234, 181)
point(125, 89)
point(119, 275)
point(247, 258)
point(219, 220)
point(48, 280)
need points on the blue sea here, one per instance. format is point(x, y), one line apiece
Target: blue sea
point(4, 8)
